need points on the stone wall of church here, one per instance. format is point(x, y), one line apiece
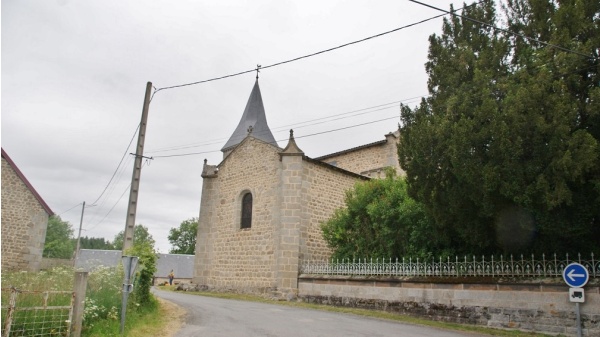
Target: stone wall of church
point(24, 223)
point(369, 161)
point(325, 191)
point(230, 257)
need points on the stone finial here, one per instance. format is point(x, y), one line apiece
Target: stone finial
point(292, 148)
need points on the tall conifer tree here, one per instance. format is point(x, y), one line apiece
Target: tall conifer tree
point(505, 152)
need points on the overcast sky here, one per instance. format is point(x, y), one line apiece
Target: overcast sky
point(74, 75)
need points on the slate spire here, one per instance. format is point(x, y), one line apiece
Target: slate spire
point(253, 119)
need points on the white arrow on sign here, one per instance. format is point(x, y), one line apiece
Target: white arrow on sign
point(572, 276)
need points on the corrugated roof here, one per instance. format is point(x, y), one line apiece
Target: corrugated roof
point(89, 259)
point(182, 265)
point(27, 183)
point(254, 116)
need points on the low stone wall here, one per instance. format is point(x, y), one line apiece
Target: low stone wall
point(542, 306)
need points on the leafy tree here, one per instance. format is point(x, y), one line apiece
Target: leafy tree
point(144, 250)
point(183, 239)
point(58, 239)
point(505, 151)
point(380, 220)
point(94, 243)
point(140, 235)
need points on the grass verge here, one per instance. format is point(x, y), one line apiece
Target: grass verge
point(164, 320)
point(370, 313)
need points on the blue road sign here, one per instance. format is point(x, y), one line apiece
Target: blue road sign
point(576, 275)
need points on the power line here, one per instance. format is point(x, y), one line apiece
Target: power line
point(117, 169)
point(302, 57)
point(282, 140)
point(295, 126)
point(501, 29)
point(146, 163)
point(69, 209)
point(111, 209)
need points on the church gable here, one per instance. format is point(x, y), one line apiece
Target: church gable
point(238, 251)
point(262, 207)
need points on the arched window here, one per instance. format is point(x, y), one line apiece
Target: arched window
point(247, 211)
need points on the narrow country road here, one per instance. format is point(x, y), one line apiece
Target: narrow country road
point(214, 317)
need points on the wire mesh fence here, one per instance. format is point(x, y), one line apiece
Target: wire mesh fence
point(500, 266)
point(36, 313)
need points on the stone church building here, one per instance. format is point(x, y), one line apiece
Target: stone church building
point(262, 205)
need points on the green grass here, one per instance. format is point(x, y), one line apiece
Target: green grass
point(139, 322)
point(370, 313)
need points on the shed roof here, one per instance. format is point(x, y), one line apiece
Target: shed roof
point(89, 259)
point(182, 265)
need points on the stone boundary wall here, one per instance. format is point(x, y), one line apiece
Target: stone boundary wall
point(526, 306)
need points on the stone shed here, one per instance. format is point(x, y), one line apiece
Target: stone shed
point(24, 220)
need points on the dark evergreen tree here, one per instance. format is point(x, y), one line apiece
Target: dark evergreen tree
point(505, 151)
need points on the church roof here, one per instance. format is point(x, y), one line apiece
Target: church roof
point(253, 120)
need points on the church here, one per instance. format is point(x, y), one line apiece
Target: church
point(262, 205)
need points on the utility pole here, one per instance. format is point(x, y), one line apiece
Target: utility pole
point(137, 170)
point(79, 235)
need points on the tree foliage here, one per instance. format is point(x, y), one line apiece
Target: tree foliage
point(59, 243)
point(380, 220)
point(140, 235)
point(505, 152)
point(144, 250)
point(95, 243)
point(183, 239)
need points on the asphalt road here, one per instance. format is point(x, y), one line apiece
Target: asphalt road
point(215, 317)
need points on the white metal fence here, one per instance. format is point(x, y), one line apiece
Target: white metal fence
point(36, 313)
point(458, 267)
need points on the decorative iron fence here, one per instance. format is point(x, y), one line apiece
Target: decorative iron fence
point(467, 267)
point(36, 313)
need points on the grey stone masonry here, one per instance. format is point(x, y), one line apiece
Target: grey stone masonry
point(540, 307)
point(24, 220)
point(291, 196)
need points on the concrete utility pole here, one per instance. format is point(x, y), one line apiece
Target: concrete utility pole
point(79, 235)
point(137, 170)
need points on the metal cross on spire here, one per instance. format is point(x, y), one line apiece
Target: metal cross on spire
point(257, 70)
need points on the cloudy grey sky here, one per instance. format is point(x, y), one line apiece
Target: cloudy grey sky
point(74, 75)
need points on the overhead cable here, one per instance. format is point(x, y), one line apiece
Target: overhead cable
point(502, 30)
point(282, 140)
point(118, 166)
point(302, 57)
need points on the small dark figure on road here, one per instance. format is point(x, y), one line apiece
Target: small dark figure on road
point(171, 277)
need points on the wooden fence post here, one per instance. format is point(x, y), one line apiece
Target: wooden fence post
point(79, 288)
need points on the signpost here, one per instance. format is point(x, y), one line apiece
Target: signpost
point(576, 276)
